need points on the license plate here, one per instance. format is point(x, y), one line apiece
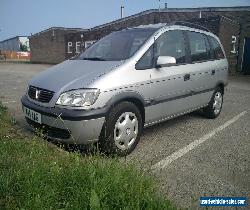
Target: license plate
point(31, 114)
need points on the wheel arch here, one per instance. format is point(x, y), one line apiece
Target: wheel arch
point(132, 97)
point(220, 85)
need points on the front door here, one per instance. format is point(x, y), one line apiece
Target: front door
point(169, 85)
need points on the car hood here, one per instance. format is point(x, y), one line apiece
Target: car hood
point(72, 74)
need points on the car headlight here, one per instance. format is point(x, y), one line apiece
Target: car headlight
point(78, 98)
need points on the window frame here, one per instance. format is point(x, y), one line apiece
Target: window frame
point(154, 59)
point(211, 51)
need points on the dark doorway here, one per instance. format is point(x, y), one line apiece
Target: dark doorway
point(246, 57)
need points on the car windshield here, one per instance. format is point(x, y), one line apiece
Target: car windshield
point(117, 46)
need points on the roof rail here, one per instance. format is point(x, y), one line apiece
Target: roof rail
point(189, 24)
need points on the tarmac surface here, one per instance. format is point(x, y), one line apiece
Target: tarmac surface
point(190, 156)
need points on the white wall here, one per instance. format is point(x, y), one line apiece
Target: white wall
point(14, 44)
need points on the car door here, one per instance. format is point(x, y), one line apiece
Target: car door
point(169, 86)
point(201, 68)
point(219, 66)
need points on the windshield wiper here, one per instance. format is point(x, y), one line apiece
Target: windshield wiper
point(94, 59)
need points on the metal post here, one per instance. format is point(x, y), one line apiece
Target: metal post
point(122, 12)
point(200, 14)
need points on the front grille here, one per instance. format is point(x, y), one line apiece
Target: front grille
point(40, 95)
point(49, 131)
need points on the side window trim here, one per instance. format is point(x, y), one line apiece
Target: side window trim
point(207, 47)
point(211, 48)
point(152, 62)
point(187, 46)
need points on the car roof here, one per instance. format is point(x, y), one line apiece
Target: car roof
point(182, 24)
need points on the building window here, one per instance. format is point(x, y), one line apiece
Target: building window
point(78, 45)
point(70, 47)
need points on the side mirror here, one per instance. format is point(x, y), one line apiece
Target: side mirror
point(164, 61)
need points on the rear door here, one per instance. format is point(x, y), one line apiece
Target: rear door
point(219, 65)
point(201, 68)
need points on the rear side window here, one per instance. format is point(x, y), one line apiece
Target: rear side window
point(198, 47)
point(215, 48)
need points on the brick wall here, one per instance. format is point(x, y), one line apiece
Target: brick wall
point(224, 28)
point(49, 46)
point(46, 49)
point(214, 21)
point(245, 32)
point(227, 30)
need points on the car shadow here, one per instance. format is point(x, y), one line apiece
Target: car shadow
point(173, 122)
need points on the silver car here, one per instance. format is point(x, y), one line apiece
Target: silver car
point(126, 81)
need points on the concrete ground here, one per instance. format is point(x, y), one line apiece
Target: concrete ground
point(190, 156)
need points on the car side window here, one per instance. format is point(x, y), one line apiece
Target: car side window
point(216, 48)
point(198, 47)
point(171, 44)
point(146, 61)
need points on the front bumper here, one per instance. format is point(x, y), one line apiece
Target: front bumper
point(69, 126)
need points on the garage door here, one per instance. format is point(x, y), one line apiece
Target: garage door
point(246, 57)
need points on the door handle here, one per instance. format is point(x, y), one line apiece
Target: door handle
point(187, 77)
point(213, 72)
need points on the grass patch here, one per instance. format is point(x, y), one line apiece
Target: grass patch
point(36, 175)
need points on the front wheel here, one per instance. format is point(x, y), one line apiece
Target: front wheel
point(215, 105)
point(122, 129)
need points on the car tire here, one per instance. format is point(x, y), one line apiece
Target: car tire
point(215, 105)
point(122, 129)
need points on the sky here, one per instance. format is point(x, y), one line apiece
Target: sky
point(23, 17)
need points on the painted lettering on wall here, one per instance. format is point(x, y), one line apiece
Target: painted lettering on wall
point(70, 47)
point(75, 47)
point(234, 41)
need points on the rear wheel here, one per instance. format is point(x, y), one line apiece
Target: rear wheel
point(122, 129)
point(215, 105)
